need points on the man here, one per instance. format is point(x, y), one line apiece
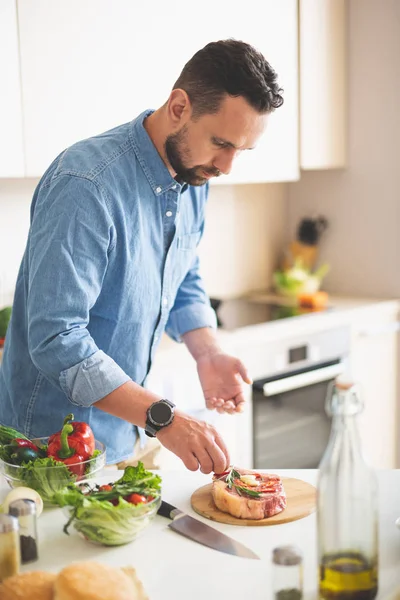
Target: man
point(111, 263)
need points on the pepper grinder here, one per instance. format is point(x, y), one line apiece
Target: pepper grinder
point(25, 511)
point(287, 573)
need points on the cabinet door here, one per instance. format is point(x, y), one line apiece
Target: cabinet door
point(89, 66)
point(271, 27)
point(322, 26)
point(375, 366)
point(11, 144)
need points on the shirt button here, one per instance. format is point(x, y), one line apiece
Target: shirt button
point(168, 213)
point(158, 189)
point(165, 301)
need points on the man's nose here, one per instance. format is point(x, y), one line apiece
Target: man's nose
point(224, 160)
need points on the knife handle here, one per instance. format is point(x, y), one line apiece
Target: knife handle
point(168, 510)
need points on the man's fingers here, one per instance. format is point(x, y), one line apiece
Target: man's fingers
point(228, 406)
point(244, 374)
point(212, 403)
point(239, 399)
point(218, 462)
point(220, 444)
point(190, 461)
point(205, 460)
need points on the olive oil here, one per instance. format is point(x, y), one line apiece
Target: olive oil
point(348, 576)
point(347, 506)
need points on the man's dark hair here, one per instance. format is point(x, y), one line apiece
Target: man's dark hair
point(229, 67)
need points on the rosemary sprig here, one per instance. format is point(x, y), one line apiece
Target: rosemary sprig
point(233, 474)
point(244, 490)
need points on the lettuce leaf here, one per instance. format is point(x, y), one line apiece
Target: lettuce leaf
point(42, 476)
point(93, 514)
point(140, 477)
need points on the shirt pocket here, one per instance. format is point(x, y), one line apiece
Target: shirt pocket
point(188, 241)
point(186, 245)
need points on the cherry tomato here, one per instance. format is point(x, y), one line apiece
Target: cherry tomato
point(105, 488)
point(150, 498)
point(135, 498)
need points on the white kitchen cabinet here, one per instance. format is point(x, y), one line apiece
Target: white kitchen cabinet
point(11, 140)
point(375, 366)
point(89, 66)
point(323, 77)
point(272, 28)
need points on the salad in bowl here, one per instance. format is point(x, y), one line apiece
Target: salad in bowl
point(115, 513)
point(48, 464)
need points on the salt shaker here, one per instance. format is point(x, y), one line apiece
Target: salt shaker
point(287, 562)
point(9, 547)
point(25, 511)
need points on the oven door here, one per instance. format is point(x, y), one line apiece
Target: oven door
point(290, 426)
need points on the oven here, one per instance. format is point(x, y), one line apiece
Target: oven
point(290, 425)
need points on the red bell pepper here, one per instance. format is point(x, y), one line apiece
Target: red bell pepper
point(80, 438)
point(73, 445)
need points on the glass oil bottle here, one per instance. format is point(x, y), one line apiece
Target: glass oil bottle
point(347, 506)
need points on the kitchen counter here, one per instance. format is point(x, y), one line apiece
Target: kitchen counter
point(343, 311)
point(175, 568)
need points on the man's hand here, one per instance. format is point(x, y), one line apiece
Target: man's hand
point(196, 443)
point(221, 377)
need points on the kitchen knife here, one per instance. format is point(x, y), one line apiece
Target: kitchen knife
point(202, 533)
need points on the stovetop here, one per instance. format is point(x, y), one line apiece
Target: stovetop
point(242, 312)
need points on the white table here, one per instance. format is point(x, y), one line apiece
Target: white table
point(175, 568)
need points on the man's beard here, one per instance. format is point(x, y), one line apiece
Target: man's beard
point(176, 151)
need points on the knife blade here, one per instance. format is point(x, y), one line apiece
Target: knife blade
point(203, 534)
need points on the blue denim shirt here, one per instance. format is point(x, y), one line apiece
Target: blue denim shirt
point(110, 263)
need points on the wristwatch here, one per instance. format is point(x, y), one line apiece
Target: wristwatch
point(159, 415)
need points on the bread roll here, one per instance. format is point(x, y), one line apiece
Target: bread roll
point(94, 581)
point(32, 585)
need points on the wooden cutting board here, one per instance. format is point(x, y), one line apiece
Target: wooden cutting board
point(301, 502)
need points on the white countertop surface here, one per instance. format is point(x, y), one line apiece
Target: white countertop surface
point(175, 568)
point(344, 312)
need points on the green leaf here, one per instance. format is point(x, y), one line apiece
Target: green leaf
point(140, 477)
point(93, 514)
point(233, 474)
point(246, 491)
point(46, 475)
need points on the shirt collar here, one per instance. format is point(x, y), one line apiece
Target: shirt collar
point(151, 162)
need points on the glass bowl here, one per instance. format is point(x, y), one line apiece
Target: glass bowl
point(47, 480)
point(108, 525)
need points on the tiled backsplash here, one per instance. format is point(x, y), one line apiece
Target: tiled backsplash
point(245, 228)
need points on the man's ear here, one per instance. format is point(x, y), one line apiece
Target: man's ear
point(179, 108)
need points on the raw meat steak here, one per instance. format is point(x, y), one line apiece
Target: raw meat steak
point(247, 494)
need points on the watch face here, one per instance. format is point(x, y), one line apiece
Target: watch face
point(160, 413)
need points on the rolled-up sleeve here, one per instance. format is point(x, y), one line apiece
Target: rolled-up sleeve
point(92, 379)
point(192, 308)
point(70, 240)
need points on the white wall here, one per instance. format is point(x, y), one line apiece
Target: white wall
point(245, 227)
point(15, 199)
point(362, 203)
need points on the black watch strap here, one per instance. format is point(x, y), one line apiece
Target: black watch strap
point(152, 428)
